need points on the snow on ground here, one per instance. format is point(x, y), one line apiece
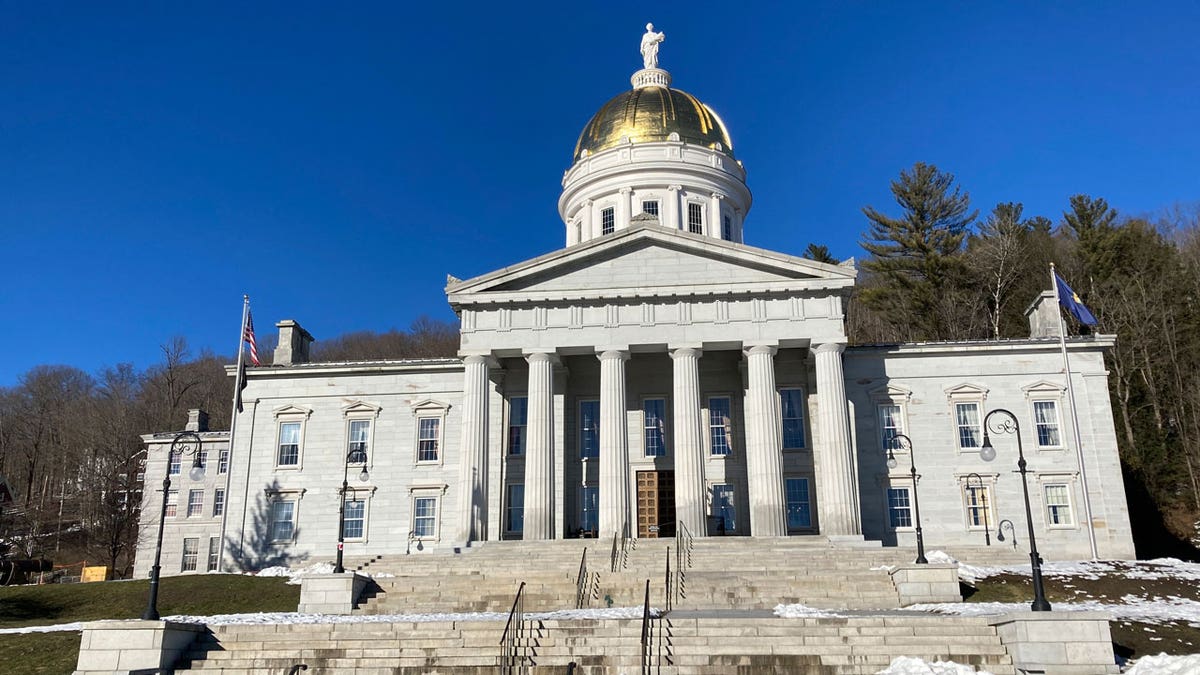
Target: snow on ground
point(1159, 568)
point(1131, 608)
point(1164, 664)
point(56, 628)
point(905, 665)
point(804, 611)
point(295, 575)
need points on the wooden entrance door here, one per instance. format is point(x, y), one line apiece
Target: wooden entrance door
point(656, 504)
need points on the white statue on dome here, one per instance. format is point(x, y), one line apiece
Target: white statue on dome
point(650, 46)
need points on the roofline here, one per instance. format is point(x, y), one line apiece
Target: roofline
point(338, 367)
point(1077, 343)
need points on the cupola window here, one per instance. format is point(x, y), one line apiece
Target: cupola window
point(695, 218)
point(650, 207)
point(608, 221)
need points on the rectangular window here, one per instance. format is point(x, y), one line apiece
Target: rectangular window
point(727, 229)
point(360, 432)
point(289, 444)
point(589, 428)
point(588, 509)
point(792, 406)
point(218, 502)
point(723, 508)
point(425, 517)
point(191, 554)
point(650, 207)
point(695, 218)
point(514, 520)
point(518, 416)
point(966, 417)
point(890, 425)
point(1058, 505)
point(172, 503)
point(429, 432)
point(1045, 416)
point(176, 463)
point(979, 506)
point(718, 425)
point(608, 221)
point(899, 507)
point(203, 463)
point(355, 519)
point(214, 553)
point(195, 503)
point(799, 511)
point(223, 461)
point(653, 423)
point(283, 524)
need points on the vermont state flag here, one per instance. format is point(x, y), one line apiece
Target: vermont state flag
point(1070, 300)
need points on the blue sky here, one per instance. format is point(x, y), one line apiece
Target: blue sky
point(158, 160)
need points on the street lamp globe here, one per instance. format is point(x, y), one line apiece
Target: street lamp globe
point(363, 476)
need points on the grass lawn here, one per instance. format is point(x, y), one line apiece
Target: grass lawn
point(56, 653)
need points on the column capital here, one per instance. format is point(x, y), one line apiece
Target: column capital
point(476, 359)
point(753, 350)
point(540, 357)
point(625, 190)
point(611, 354)
point(718, 195)
point(827, 347)
point(674, 188)
point(685, 351)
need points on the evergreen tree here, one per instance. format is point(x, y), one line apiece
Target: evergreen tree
point(917, 257)
point(820, 253)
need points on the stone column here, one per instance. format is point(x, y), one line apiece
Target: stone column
point(624, 209)
point(672, 212)
point(764, 451)
point(689, 450)
point(614, 445)
point(473, 469)
point(714, 217)
point(539, 448)
point(587, 220)
point(837, 485)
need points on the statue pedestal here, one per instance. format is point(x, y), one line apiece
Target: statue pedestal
point(651, 77)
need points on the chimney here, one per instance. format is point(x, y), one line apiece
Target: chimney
point(293, 346)
point(1043, 316)
point(197, 420)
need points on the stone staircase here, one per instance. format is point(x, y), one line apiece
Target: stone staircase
point(680, 645)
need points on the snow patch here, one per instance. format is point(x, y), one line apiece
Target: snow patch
point(804, 612)
point(1165, 664)
point(905, 665)
point(56, 628)
point(261, 618)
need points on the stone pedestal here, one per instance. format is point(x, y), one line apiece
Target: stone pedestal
point(1058, 643)
point(331, 593)
point(933, 582)
point(133, 647)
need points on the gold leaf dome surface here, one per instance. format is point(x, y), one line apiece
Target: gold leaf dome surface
point(648, 114)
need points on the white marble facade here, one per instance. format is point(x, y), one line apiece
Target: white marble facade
point(655, 374)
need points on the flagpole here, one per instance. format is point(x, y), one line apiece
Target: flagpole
point(1062, 341)
point(237, 393)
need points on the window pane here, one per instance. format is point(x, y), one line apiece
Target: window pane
point(718, 425)
point(1058, 505)
point(172, 503)
point(653, 411)
point(353, 521)
point(195, 503)
point(517, 415)
point(1046, 417)
point(516, 508)
point(650, 207)
point(967, 417)
point(589, 430)
point(427, 447)
point(218, 502)
point(898, 507)
point(281, 519)
point(889, 422)
point(214, 552)
point(424, 516)
point(978, 503)
point(223, 461)
point(289, 443)
point(588, 509)
point(798, 509)
point(792, 406)
point(191, 553)
point(695, 218)
point(607, 221)
point(360, 431)
point(175, 465)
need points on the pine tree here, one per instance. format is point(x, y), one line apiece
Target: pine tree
point(820, 253)
point(917, 257)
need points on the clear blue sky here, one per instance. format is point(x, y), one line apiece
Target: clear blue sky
point(158, 160)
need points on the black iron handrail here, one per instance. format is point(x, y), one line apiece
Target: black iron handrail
point(667, 580)
point(646, 633)
point(683, 560)
point(510, 641)
point(581, 582)
point(613, 557)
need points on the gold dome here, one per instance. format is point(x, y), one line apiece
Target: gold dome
point(649, 114)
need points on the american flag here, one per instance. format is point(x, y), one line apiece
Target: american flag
point(248, 336)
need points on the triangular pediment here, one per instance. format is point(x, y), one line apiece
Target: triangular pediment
point(655, 261)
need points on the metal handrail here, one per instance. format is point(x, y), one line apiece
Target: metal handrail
point(510, 640)
point(646, 634)
point(613, 556)
point(683, 560)
point(581, 582)
point(667, 580)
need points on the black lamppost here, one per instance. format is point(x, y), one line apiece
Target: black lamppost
point(185, 443)
point(987, 453)
point(905, 443)
point(357, 455)
point(987, 528)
